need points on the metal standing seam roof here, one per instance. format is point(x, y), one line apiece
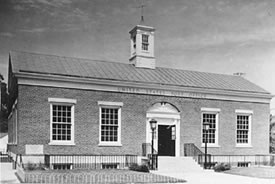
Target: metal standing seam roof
point(86, 68)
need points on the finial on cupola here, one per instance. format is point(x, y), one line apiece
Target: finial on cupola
point(142, 44)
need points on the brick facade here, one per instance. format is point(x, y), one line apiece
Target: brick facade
point(34, 121)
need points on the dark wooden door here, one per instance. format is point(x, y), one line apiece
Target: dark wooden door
point(166, 140)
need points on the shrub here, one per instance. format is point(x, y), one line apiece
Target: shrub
point(222, 167)
point(32, 166)
point(139, 168)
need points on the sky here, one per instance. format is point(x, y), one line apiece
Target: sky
point(217, 36)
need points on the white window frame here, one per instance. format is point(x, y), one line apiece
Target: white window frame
point(16, 125)
point(14, 118)
point(62, 101)
point(216, 111)
point(249, 113)
point(145, 43)
point(111, 105)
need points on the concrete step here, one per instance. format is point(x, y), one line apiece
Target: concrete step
point(178, 164)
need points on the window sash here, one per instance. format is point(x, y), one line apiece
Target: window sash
point(243, 128)
point(210, 118)
point(13, 121)
point(61, 122)
point(109, 124)
point(145, 42)
point(145, 38)
point(145, 46)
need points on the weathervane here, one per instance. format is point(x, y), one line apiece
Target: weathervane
point(141, 8)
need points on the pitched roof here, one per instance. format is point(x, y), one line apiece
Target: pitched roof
point(86, 68)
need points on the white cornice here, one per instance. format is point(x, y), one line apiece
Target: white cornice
point(107, 103)
point(139, 88)
point(62, 100)
point(244, 111)
point(206, 109)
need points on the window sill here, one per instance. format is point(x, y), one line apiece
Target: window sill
point(244, 146)
point(62, 143)
point(12, 144)
point(110, 144)
point(211, 145)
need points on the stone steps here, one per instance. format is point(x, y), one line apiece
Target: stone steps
point(178, 164)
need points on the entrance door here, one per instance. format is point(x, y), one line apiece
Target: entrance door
point(166, 140)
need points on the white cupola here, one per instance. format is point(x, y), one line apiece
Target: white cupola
point(142, 47)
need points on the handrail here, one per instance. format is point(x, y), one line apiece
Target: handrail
point(190, 149)
point(147, 149)
point(201, 159)
point(153, 158)
point(18, 162)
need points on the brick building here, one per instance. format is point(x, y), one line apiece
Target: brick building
point(65, 105)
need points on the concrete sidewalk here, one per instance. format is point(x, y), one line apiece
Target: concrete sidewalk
point(7, 174)
point(211, 177)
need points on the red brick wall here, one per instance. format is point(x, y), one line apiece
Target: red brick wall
point(34, 121)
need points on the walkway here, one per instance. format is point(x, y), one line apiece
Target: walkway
point(7, 174)
point(211, 177)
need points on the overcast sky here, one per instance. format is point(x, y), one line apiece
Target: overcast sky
point(219, 36)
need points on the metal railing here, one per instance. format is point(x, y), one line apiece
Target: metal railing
point(89, 161)
point(153, 159)
point(190, 149)
point(239, 160)
point(17, 162)
point(5, 158)
point(147, 149)
point(201, 161)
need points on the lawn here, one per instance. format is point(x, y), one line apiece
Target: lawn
point(96, 176)
point(258, 172)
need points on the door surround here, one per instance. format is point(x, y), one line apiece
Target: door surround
point(165, 114)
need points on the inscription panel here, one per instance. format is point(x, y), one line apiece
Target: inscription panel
point(34, 149)
point(161, 92)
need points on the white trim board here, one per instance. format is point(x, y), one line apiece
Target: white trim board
point(140, 88)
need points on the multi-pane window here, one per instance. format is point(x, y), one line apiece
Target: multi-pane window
point(12, 138)
point(14, 131)
point(145, 42)
point(173, 133)
point(109, 124)
point(242, 129)
point(209, 134)
point(134, 41)
point(61, 122)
